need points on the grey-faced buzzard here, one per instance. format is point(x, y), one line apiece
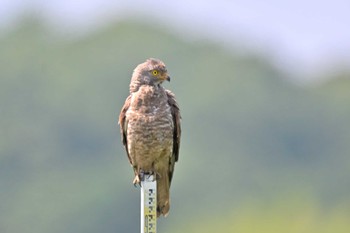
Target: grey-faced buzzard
point(150, 128)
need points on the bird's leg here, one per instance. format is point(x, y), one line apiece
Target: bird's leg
point(142, 174)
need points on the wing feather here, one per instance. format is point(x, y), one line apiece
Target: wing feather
point(123, 123)
point(175, 112)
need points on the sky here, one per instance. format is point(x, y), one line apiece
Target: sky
point(302, 36)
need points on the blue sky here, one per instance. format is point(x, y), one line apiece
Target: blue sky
point(302, 36)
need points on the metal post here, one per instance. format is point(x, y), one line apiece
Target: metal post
point(148, 204)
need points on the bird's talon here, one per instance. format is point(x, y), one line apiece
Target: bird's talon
point(136, 181)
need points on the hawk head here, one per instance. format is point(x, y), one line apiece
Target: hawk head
point(151, 72)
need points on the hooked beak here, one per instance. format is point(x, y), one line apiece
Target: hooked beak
point(168, 78)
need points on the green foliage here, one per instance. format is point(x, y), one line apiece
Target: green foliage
point(287, 215)
point(251, 140)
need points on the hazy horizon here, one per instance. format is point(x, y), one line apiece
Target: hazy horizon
point(305, 38)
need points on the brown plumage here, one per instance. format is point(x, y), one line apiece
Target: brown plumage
point(150, 128)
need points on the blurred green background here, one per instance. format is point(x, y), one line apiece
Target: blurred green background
point(259, 153)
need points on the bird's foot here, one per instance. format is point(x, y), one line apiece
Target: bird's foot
point(152, 173)
point(148, 174)
point(142, 175)
point(136, 181)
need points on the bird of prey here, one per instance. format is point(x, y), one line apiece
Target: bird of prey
point(150, 128)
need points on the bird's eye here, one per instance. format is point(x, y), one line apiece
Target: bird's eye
point(155, 72)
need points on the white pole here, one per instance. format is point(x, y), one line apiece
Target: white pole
point(148, 204)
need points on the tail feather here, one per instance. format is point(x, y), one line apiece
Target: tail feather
point(163, 195)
